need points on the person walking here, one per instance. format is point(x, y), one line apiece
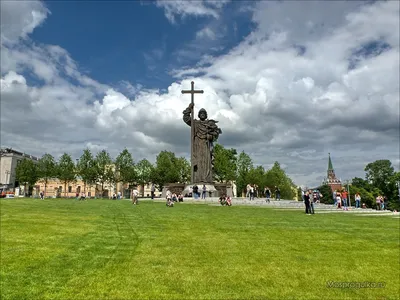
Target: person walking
point(357, 198)
point(267, 194)
point(311, 196)
point(152, 191)
point(135, 194)
point(251, 192)
point(204, 192)
point(344, 199)
point(277, 194)
point(307, 203)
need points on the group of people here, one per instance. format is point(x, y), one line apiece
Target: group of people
point(172, 198)
point(268, 194)
point(310, 197)
point(225, 200)
point(341, 199)
point(252, 191)
point(380, 202)
point(197, 192)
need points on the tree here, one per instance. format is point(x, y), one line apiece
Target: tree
point(27, 173)
point(225, 163)
point(277, 177)
point(86, 168)
point(394, 201)
point(110, 178)
point(144, 171)
point(46, 169)
point(166, 169)
point(327, 194)
point(183, 166)
point(66, 171)
point(257, 176)
point(244, 165)
point(360, 183)
point(379, 174)
point(367, 197)
point(125, 168)
point(103, 162)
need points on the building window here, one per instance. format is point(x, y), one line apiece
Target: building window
point(60, 188)
point(70, 189)
point(78, 189)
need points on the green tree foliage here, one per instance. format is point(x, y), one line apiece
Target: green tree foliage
point(380, 180)
point(183, 166)
point(379, 174)
point(394, 200)
point(27, 173)
point(257, 176)
point(361, 183)
point(65, 170)
point(103, 163)
point(86, 169)
point(225, 163)
point(46, 169)
point(144, 172)
point(166, 170)
point(277, 177)
point(367, 197)
point(327, 194)
point(244, 165)
point(125, 167)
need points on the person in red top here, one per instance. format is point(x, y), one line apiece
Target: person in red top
point(344, 198)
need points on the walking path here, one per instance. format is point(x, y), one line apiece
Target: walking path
point(288, 205)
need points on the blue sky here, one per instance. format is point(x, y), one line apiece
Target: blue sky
point(288, 81)
point(134, 41)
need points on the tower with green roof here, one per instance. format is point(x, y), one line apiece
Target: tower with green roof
point(331, 179)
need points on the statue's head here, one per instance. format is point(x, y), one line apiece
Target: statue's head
point(202, 114)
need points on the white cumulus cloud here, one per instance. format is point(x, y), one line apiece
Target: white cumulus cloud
point(287, 92)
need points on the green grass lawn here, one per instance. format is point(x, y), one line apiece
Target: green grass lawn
point(98, 249)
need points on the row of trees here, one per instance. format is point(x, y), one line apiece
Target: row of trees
point(101, 169)
point(228, 165)
point(380, 179)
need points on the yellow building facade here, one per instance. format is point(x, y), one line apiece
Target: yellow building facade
point(55, 189)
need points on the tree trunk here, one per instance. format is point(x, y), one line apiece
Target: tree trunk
point(65, 189)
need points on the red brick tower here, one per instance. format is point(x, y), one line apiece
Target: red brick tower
point(331, 180)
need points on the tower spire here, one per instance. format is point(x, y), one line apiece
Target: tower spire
point(330, 166)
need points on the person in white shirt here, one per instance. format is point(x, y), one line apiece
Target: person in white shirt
point(135, 194)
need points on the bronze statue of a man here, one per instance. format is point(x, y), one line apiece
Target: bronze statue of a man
point(206, 132)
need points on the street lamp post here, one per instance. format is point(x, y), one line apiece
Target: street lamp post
point(398, 189)
point(8, 178)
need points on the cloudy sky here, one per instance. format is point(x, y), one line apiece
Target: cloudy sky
point(288, 81)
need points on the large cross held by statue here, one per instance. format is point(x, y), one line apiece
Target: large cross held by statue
point(192, 92)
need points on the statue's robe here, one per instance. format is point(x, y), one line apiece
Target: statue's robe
point(202, 163)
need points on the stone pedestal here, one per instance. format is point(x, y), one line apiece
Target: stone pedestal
point(216, 189)
point(209, 187)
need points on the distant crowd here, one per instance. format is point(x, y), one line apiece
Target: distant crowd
point(252, 191)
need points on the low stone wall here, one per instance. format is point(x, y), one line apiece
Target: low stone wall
point(176, 188)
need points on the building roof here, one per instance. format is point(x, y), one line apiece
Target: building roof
point(4, 151)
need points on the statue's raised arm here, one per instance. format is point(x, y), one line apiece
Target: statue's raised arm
point(187, 115)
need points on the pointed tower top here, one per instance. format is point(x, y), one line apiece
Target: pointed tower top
point(330, 166)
